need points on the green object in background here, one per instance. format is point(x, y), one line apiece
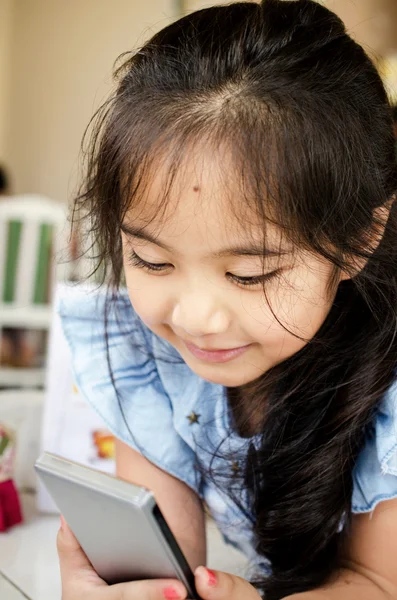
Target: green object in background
point(43, 263)
point(12, 250)
point(4, 440)
point(40, 293)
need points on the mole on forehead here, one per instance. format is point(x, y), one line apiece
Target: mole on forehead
point(196, 188)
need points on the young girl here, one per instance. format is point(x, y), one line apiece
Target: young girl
point(242, 180)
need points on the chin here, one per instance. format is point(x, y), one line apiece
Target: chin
point(225, 379)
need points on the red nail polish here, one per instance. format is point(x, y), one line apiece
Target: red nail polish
point(211, 577)
point(170, 593)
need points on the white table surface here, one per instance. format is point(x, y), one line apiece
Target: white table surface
point(9, 592)
point(28, 556)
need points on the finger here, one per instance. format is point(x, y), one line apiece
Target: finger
point(72, 560)
point(216, 585)
point(148, 589)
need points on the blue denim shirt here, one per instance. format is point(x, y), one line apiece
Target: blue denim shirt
point(171, 415)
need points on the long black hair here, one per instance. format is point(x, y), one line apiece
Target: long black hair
point(305, 114)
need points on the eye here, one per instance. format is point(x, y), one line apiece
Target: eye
point(253, 281)
point(136, 261)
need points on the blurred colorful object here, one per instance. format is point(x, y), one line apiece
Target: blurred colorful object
point(10, 508)
point(104, 443)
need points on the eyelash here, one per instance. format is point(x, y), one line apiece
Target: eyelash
point(137, 261)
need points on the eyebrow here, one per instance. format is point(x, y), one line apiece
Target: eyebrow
point(254, 250)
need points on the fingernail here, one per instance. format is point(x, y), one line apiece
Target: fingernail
point(170, 593)
point(63, 523)
point(209, 575)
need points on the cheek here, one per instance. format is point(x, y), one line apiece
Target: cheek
point(308, 303)
point(144, 299)
point(292, 309)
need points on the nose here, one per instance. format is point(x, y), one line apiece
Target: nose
point(200, 314)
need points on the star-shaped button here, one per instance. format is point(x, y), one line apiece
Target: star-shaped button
point(235, 468)
point(193, 418)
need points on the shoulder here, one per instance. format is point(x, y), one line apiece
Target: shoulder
point(375, 472)
point(94, 305)
point(93, 316)
point(114, 362)
point(112, 352)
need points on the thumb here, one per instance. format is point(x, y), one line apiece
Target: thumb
point(216, 585)
point(72, 560)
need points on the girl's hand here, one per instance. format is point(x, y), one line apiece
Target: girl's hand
point(216, 585)
point(79, 580)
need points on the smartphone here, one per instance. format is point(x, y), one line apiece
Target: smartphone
point(118, 524)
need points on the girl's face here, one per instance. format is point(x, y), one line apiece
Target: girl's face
point(195, 277)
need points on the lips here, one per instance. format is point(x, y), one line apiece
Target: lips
point(216, 356)
point(213, 349)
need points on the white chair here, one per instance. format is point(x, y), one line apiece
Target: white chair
point(37, 257)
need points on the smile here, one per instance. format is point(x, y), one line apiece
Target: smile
point(216, 356)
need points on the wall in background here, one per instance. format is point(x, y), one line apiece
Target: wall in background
point(6, 9)
point(62, 55)
point(373, 23)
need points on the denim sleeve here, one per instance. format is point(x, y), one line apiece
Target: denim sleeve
point(140, 413)
point(375, 473)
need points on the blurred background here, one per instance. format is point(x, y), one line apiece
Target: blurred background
point(56, 61)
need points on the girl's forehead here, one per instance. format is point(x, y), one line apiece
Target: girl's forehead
point(197, 210)
point(204, 189)
point(205, 230)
